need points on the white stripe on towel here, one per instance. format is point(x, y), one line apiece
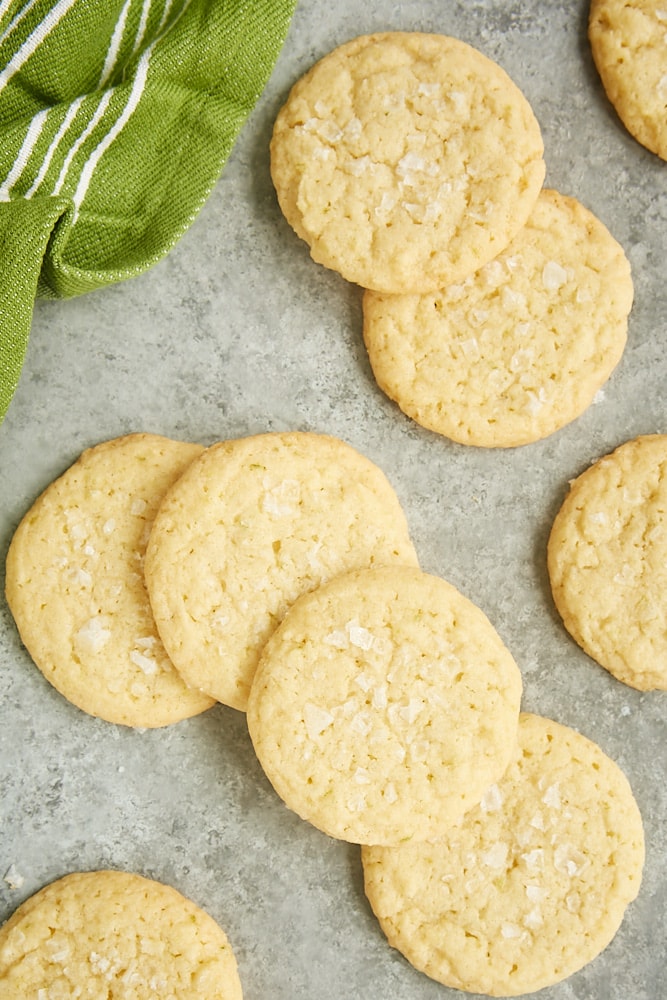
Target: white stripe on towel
point(32, 43)
point(99, 111)
point(27, 146)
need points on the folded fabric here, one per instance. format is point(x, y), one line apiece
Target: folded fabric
point(116, 118)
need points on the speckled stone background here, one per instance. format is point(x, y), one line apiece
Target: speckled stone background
point(238, 331)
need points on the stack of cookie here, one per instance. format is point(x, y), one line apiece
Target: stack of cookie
point(276, 574)
point(145, 580)
point(412, 164)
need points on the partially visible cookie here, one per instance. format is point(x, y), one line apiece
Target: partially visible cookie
point(251, 525)
point(114, 934)
point(531, 885)
point(628, 41)
point(520, 348)
point(75, 583)
point(406, 160)
point(384, 706)
point(607, 562)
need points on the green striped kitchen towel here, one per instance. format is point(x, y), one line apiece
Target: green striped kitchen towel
point(116, 118)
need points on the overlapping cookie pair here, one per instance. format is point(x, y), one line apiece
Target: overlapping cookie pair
point(276, 572)
point(494, 309)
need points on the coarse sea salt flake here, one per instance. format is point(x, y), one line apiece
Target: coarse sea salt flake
point(496, 856)
point(361, 776)
point(358, 167)
point(387, 203)
point(353, 128)
point(145, 663)
point(80, 577)
point(363, 681)
point(94, 635)
point(427, 89)
point(537, 822)
point(553, 275)
point(534, 919)
point(338, 639)
point(551, 797)
point(316, 719)
point(138, 506)
point(359, 636)
point(492, 799)
point(109, 526)
point(536, 893)
point(510, 931)
point(390, 794)
point(662, 87)
point(534, 859)
point(380, 696)
point(569, 860)
point(470, 349)
point(361, 724)
point(13, 878)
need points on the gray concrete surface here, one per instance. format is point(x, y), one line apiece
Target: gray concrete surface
point(239, 331)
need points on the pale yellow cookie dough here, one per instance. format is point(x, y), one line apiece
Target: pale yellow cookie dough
point(406, 160)
point(251, 525)
point(384, 706)
point(118, 935)
point(629, 45)
point(607, 562)
point(520, 348)
point(75, 583)
point(531, 885)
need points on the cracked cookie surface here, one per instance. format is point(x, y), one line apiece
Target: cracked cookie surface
point(628, 41)
point(520, 348)
point(252, 524)
point(75, 583)
point(406, 160)
point(531, 885)
point(110, 933)
point(384, 706)
point(607, 562)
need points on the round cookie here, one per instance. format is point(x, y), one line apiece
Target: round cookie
point(406, 160)
point(109, 933)
point(607, 562)
point(384, 706)
point(531, 885)
point(628, 41)
point(520, 348)
point(252, 524)
point(76, 589)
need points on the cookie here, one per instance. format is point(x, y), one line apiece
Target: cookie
point(76, 589)
point(520, 348)
point(628, 40)
point(406, 160)
point(384, 706)
point(110, 933)
point(251, 525)
point(607, 562)
point(531, 885)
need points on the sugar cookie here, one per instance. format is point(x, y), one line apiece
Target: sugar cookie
point(384, 706)
point(406, 160)
point(110, 933)
point(76, 589)
point(531, 885)
point(607, 562)
point(628, 41)
point(251, 525)
point(520, 348)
